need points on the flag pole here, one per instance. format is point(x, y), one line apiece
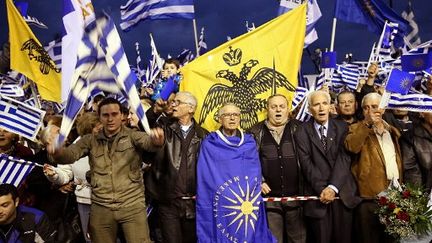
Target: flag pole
point(195, 36)
point(34, 93)
point(333, 34)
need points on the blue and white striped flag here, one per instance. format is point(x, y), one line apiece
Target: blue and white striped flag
point(386, 41)
point(300, 94)
point(185, 57)
point(413, 37)
point(202, 45)
point(313, 15)
point(350, 75)
point(76, 16)
point(14, 171)
point(11, 90)
point(31, 102)
point(140, 71)
point(54, 49)
point(101, 64)
point(136, 10)
point(20, 118)
point(155, 65)
point(410, 102)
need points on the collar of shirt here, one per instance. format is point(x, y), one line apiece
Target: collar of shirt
point(317, 128)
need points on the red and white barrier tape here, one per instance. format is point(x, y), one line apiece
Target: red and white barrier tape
point(277, 199)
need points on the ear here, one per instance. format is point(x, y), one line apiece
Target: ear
point(17, 202)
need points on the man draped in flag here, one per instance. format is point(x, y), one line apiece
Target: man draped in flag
point(30, 58)
point(240, 71)
point(229, 203)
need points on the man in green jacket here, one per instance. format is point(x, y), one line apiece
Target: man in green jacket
point(115, 157)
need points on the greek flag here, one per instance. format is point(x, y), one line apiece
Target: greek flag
point(139, 64)
point(349, 74)
point(185, 56)
point(300, 94)
point(136, 10)
point(20, 118)
point(30, 102)
point(155, 65)
point(202, 46)
point(386, 40)
point(54, 49)
point(76, 16)
point(101, 64)
point(413, 37)
point(11, 90)
point(313, 15)
point(410, 102)
point(13, 170)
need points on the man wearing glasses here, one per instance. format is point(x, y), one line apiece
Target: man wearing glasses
point(229, 203)
point(174, 169)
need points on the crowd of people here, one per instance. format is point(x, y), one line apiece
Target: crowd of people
point(110, 172)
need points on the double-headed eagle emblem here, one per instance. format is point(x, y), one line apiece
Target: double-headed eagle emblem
point(243, 91)
point(38, 53)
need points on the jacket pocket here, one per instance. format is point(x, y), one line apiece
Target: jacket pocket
point(135, 176)
point(124, 144)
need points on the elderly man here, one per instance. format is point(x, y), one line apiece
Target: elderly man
point(229, 203)
point(281, 170)
point(173, 172)
point(116, 178)
point(326, 169)
point(378, 162)
point(346, 107)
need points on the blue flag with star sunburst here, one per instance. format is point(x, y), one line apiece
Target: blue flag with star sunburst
point(229, 205)
point(399, 81)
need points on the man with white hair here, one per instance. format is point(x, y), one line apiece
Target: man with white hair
point(173, 171)
point(326, 170)
point(378, 162)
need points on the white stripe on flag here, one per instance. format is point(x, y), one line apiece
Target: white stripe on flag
point(13, 171)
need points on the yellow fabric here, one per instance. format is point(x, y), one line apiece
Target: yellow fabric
point(30, 58)
point(210, 77)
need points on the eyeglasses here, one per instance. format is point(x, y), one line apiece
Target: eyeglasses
point(179, 102)
point(229, 115)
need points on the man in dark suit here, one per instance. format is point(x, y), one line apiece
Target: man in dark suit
point(326, 170)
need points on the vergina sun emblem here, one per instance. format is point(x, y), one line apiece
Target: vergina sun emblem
point(236, 207)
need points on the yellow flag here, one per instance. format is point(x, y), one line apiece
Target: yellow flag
point(30, 58)
point(247, 70)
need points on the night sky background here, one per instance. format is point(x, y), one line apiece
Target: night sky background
point(222, 18)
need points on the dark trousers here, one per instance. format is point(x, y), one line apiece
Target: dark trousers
point(334, 227)
point(286, 218)
point(177, 222)
point(367, 227)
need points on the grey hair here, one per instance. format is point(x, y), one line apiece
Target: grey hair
point(190, 99)
point(318, 92)
point(219, 112)
point(372, 95)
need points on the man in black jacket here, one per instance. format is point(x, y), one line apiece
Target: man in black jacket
point(326, 169)
point(20, 223)
point(173, 170)
point(280, 170)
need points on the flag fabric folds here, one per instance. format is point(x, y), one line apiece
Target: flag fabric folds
point(30, 58)
point(313, 15)
point(135, 11)
point(229, 206)
point(202, 45)
point(416, 62)
point(20, 118)
point(14, 171)
point(101, 64)
point(76, 15)
point(410, 102)
point(240, 71)
point(399, 81)
point(413, 37)
point(372, 13)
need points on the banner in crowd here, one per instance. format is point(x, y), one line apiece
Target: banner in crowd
point(28, 56)
point(229, 205)
point(241, 71)
point(13, 171)
point(20, 118)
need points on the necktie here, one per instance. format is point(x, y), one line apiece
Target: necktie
point(323, 137)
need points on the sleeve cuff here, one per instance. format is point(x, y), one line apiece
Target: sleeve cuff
point(333, 188)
